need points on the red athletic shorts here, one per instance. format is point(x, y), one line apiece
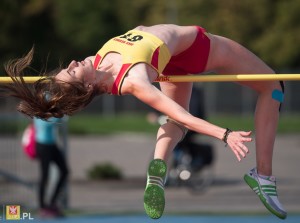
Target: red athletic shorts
point(193, 60)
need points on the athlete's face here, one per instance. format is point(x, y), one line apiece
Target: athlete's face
point(77, 71)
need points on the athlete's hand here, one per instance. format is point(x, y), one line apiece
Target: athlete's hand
point(236, 140)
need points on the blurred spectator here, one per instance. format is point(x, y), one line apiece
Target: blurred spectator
point(48, 152)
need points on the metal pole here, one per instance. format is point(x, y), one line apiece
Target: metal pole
point(198, 78)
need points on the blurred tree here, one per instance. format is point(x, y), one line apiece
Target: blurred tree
point(280, 43)
point(197, 12)
point(141, 12)
point(243, 21)
point(86, 25)
point(67, 29)
point(10, 17)
point(27, 23)
point(270, 28)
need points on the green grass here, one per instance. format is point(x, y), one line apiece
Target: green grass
point(97, 124)
point(287, 123)
point(94, 124)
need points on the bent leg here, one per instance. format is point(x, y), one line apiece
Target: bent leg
point(266, 122)
point(228, 57)
point(170, 134)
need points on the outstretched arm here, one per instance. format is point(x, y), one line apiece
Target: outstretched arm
point(152, 96)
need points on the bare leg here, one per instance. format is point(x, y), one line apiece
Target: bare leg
point(266, 121)
point(228, 57)
point(170, 134)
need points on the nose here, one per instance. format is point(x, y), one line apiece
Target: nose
point(73, 64)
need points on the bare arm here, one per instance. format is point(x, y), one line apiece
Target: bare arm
point(152, 96)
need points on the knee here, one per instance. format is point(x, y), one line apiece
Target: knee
point(180, 126)
point(269, 87)
point(277, 91)
point(278, 94)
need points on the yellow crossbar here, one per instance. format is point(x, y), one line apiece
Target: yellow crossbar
point(229, 78)
point(200, 78)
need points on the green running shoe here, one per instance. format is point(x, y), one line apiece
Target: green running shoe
point(154, 195)
point(266, 191)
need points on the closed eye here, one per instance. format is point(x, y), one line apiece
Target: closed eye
point(72, 73)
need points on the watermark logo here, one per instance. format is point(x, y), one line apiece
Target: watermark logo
point(13, 212)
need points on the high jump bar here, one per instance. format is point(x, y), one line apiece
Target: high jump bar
point(229, 78)
point(197, 78)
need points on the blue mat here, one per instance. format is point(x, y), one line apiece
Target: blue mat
point(173, 219)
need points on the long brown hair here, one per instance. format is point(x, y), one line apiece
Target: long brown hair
point(47, 97)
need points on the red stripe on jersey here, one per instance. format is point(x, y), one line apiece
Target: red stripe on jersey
point(120, 77)
point(97, 61)
point(154, 60)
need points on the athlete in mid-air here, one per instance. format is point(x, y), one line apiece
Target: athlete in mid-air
point(129, 63)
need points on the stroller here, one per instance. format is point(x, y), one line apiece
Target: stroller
point(192, 165)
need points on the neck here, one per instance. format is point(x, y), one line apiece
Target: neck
point(104, 79)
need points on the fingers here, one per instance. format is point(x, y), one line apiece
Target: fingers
point(246, 137)
point(246, 133)
point(236, 141)
point(237, 155)
point(240, 151)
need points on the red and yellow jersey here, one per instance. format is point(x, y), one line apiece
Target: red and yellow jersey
point(135, 47)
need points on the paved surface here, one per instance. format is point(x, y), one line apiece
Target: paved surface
point(227, 194)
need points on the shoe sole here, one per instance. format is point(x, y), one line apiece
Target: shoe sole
point(154, 195)
point(252, 184)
